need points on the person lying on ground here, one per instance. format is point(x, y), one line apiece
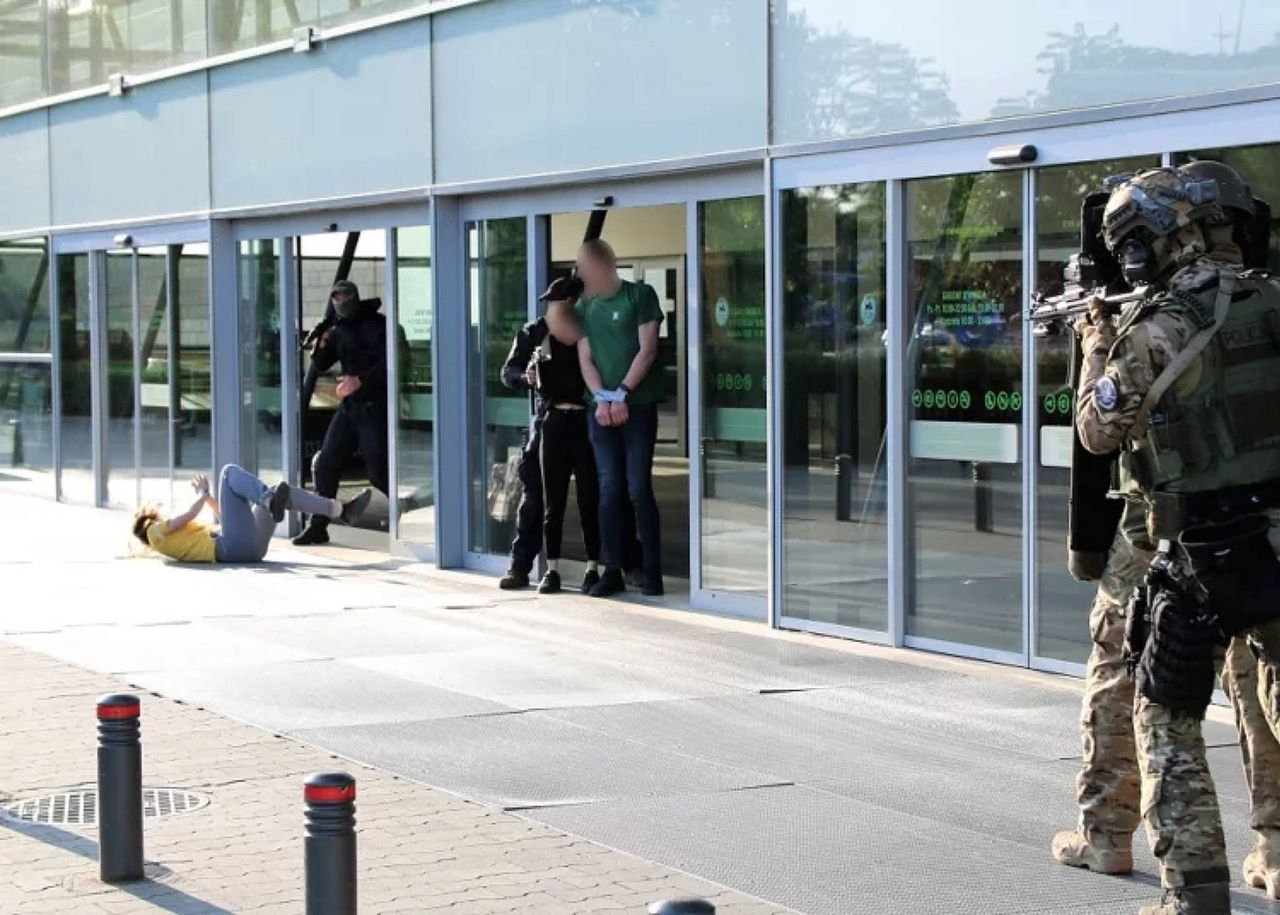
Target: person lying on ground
point(248, 510)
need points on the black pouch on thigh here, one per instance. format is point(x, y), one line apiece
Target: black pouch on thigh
point(1236, 570)
point(1176, 668)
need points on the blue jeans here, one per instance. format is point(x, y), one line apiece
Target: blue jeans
point(247, 525)
point(624, 461)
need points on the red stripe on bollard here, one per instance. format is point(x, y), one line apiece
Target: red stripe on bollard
point(329, 794)
point(119, 711)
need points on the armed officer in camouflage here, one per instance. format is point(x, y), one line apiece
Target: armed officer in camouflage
point(1109, 785)
point(1184, 387)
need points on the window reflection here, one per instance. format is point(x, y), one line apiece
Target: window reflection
point(734, 528)
point(1063, 602)
point(834, 556)
point(845, 69)
point(964, 354)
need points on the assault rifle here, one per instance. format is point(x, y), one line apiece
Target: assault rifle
point(1082, 284)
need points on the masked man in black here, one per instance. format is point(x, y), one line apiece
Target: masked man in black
point(358, 341)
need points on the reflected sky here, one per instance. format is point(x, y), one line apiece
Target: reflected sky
point(1009, 57)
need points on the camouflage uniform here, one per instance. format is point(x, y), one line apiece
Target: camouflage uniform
point(1178, 801)
point(1108, 788)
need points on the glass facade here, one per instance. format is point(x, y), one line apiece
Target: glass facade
point(834, 535)
point(852, 69)
point(26, 396)
point(895, 277)
point(62, 45)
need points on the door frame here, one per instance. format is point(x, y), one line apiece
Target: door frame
point(536, 205)
point(283, 230)
point(1246, 123)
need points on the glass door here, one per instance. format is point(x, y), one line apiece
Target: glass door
point(833, 449)
point(497, 418)
point(120, 449)
point(964, 294)
point(733, 509)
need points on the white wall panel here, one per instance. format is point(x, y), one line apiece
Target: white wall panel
point(24, 179)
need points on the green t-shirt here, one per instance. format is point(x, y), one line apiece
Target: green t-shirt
point(612, 327)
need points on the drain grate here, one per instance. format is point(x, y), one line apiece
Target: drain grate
point(79, 806)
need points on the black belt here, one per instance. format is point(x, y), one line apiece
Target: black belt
point(1171, 513)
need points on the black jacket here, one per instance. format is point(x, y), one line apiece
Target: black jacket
point(528, 339)
point(359, 344)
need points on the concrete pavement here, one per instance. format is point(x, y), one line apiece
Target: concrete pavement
point(819, 775)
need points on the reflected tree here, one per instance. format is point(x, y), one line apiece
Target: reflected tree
point(854, 85)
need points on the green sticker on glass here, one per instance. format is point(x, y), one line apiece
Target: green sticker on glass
point(1015, 401)
point(1050, 404)
point(964, 400)
point(1064, 403)
point(916, 398)
point(928, 398)
point(989, 400)
point(953, 399)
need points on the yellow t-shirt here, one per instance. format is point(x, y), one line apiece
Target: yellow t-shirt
point(193, 543)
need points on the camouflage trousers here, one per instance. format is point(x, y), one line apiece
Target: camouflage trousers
point(1170, 788)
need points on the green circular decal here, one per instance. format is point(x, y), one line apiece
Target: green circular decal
point(719, 381)
point(989, 400)
point(928, 398)
point(1002, 400)
point(953, 399)
point(916, 398)
point(1064, 403)
point(940, 398)
point(1050, 404)
point(964, 400)
point(1015, 401)
point(746, 382)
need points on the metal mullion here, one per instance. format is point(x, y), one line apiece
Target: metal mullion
point(693, 391)
point(896, 420)
point(290, 376)
point(1030, 437)
point(135, 324)
point(98, 374)
point(173, 406)
point(391, 310)
point(774, 396)
point(55, 352)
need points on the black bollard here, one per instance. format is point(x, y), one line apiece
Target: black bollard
point(982, 520)
point(330, 849)
point(690, 906)
point(119, 789)
point(844, 487)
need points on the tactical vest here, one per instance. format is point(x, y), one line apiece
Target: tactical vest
point(1211, 422)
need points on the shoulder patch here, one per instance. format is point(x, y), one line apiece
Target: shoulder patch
point(1105, 393)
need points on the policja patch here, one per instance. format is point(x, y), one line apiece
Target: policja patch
point(1105, 393)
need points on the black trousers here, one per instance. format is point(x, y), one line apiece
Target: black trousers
point(527, 542)
point(356, 424)
point(566, 451)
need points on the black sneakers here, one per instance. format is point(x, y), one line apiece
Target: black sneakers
point(278, 501)
point(312, 535)
point(651, 585)
point(590, 580)
point(550, 583)
point(354, 507)
point(635, 578)
point(610, 583)
point(513, 580)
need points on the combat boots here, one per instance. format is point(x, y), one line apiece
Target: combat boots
point(1208, 899)
point(1262, 866)
point(1104, 853)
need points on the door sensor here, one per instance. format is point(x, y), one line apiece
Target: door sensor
point(1014, 154)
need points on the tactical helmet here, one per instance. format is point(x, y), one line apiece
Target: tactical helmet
point(1147, 218)
point(1234, 193)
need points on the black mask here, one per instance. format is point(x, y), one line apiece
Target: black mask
point(1137, 262)
point(346, 307)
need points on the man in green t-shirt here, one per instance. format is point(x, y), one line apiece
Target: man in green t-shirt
point(618, 350)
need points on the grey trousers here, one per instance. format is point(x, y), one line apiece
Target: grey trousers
point(247, 525)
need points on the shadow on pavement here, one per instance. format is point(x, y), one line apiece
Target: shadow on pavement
point(160, 895)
